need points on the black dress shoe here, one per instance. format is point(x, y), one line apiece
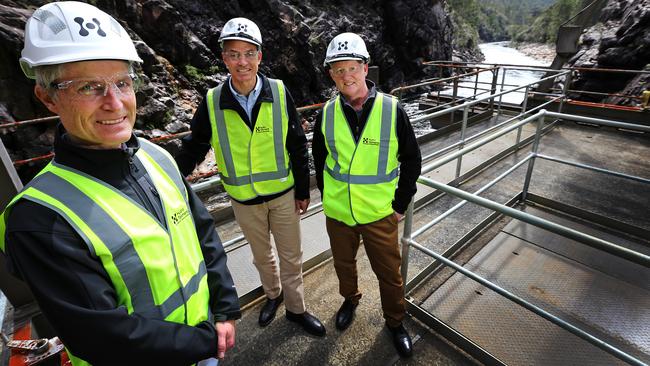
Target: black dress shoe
point(309, 323)
point(267, 314)
point(401, 340)
point(345, 315)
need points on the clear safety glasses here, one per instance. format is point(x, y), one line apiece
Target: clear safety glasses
point(340, 71)
point(235, 56)
point(91, 89)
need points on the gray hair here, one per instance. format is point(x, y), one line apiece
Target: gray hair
point(46, 74)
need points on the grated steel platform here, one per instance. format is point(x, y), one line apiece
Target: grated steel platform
point(601, 294)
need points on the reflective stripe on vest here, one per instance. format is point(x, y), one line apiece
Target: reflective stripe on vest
point(360, 177)
point(157, 269)
point(251, 163)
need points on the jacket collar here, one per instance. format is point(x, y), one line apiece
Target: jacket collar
point(102, 164)
point(372, 94)
point(228, 100)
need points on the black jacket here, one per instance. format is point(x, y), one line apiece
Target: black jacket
point(73, 288)
point(408, 151)
point(196, 145)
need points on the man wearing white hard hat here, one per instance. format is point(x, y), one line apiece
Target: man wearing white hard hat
point(261, 152)
point(367, 162)
point(121, 255)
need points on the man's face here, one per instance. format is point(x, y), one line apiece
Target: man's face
point(242, 60)
point(350, 78)
point(94, 117)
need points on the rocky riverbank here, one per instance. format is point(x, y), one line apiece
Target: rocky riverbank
point(542, 52)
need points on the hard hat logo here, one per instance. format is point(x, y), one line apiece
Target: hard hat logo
point(346, 46)
point(83, 32)
point(70, 31)
point(241, 29)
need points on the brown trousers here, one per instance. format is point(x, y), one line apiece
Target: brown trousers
point(382, 249)
point(278, 217)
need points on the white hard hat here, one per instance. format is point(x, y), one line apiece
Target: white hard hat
point(242, 29)
point(346, 46)
point(69, 31)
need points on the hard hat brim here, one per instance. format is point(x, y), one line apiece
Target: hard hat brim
point(28, 65)
point(241, 37)
point(345, 58)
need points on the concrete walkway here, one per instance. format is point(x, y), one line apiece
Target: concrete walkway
point(366, 342)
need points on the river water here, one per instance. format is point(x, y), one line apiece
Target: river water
point(495, 53)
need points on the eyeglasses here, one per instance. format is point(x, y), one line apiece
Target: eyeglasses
point(90, 89)
point(235, 56)
point(340, 71)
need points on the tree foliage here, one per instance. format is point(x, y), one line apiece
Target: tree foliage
point(544, 28)
point(521, 20)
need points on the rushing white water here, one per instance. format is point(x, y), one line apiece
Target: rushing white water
point(500, 53)
point(495, 53)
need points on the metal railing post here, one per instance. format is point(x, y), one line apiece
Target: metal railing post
point(531, 164)
point(567, 84)
point(453, 100)
point(406, 240)
point(463, 131)
point(493, 89)
point(11, 183)
point(523, 111)
point(474, 95)
point(503, 81)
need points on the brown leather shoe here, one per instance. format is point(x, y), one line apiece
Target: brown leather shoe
point(267, 314)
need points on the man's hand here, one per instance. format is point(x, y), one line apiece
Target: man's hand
point(225, 337)
point(398, 216)
point(301, 206)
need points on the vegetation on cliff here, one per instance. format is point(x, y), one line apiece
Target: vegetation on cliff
point(478, 21)
point(545, 26)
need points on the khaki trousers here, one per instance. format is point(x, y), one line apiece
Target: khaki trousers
point(382, 249)
point(278, 217)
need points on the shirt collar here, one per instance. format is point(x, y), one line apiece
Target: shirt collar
point(372, 93)
point(256, 90)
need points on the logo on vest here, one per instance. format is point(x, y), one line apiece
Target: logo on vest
point(369, 141)
point(262, 129)
point(180, 215)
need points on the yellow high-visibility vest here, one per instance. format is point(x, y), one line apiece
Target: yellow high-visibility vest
point(157, 269)
point(359, 178)
point(252, 163)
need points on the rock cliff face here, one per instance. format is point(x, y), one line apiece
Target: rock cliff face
point(621, 40)
point(178, 41)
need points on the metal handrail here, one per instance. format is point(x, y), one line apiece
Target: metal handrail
point(541, 68)
point(475, 145)
point(595, 242)
point(587, 239)
point(480, 100)
point(438, 81)
point(484, 132)
point(536, 309)
point(28, 122)
point(600, 121)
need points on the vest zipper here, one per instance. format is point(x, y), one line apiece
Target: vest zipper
point(356, 145)
point(141, 192)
